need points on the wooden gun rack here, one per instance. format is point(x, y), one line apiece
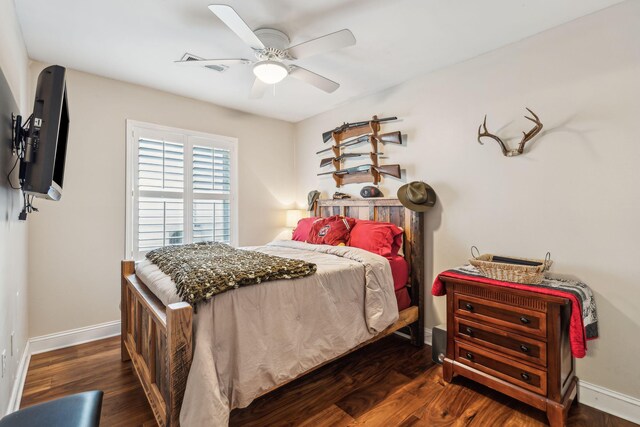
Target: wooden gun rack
point(353, 178)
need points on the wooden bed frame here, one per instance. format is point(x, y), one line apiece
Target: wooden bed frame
point(158, 339)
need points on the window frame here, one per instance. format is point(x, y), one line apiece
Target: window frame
point(137, 130)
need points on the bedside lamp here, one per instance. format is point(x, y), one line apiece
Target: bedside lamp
point(293, 216)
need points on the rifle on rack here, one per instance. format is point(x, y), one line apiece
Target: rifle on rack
point(391, 170)
point(326, 136)
point(385, 138)
point(329, 160)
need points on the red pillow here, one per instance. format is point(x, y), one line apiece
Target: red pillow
point(382, 238)
point(331, 231)
point(301, 232)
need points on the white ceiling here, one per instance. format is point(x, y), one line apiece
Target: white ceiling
point(138, 40)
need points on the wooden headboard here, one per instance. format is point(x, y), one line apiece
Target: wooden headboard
point(385, 209)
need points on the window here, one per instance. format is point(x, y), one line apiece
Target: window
point(181, 188)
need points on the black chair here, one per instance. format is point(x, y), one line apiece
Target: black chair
point(77, 410)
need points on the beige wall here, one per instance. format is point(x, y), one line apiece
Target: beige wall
point(13, 234)
point(76, 244)
point(13, 54)
point(573, 193)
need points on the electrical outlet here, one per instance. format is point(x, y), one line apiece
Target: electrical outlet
point(4, 362)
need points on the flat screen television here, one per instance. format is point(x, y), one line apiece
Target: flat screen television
point(42, 168)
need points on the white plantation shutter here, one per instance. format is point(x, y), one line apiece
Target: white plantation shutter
point(211, 170)
point(160, 207)
point(181, 188)
point(211, 221)
point(160, 223)
point(160, 165)
point(211, 194)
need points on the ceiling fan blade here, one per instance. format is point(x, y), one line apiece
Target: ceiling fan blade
point(327, 43)
point(258, 89)
point(314, 79)
point(236, 24)
point(206, 62)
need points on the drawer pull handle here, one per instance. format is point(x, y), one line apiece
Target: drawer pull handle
point(525, 376)
point(469, 331)
point(524, 348)
point(525, 320)
point(469, 356)
point(469, 306)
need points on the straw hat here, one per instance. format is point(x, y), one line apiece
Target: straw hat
point(417, 196)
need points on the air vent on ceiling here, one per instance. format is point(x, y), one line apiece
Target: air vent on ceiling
point(219, 68)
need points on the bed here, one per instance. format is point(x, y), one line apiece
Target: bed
point(159, 338)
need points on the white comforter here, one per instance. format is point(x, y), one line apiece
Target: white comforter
point(251, 339)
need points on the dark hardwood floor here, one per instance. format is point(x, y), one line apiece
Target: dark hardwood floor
point(389, 383)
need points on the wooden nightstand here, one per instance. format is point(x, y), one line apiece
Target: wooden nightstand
point(516, 342)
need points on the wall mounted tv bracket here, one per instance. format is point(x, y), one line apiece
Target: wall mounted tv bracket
point(24, 142)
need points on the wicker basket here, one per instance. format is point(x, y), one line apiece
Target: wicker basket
point(530, 275)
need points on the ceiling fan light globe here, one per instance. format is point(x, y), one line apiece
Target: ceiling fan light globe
point(270, 72)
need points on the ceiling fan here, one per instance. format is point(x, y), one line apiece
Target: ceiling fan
point(271, 48)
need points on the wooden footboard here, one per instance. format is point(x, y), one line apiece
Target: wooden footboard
point(158, 340)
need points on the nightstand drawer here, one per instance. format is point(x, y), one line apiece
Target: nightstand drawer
point(520, 347)
point(504, 315)
point(509, 370)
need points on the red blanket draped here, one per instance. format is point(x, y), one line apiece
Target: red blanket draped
point(577, 334)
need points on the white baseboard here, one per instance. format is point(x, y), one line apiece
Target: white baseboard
point(53, 342)
point(74, 337)
point(428, 336)
point(609, 401)
point(18, 384)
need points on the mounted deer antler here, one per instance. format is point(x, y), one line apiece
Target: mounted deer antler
point(526, 136)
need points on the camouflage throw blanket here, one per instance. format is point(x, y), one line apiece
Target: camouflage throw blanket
point(202, 270)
